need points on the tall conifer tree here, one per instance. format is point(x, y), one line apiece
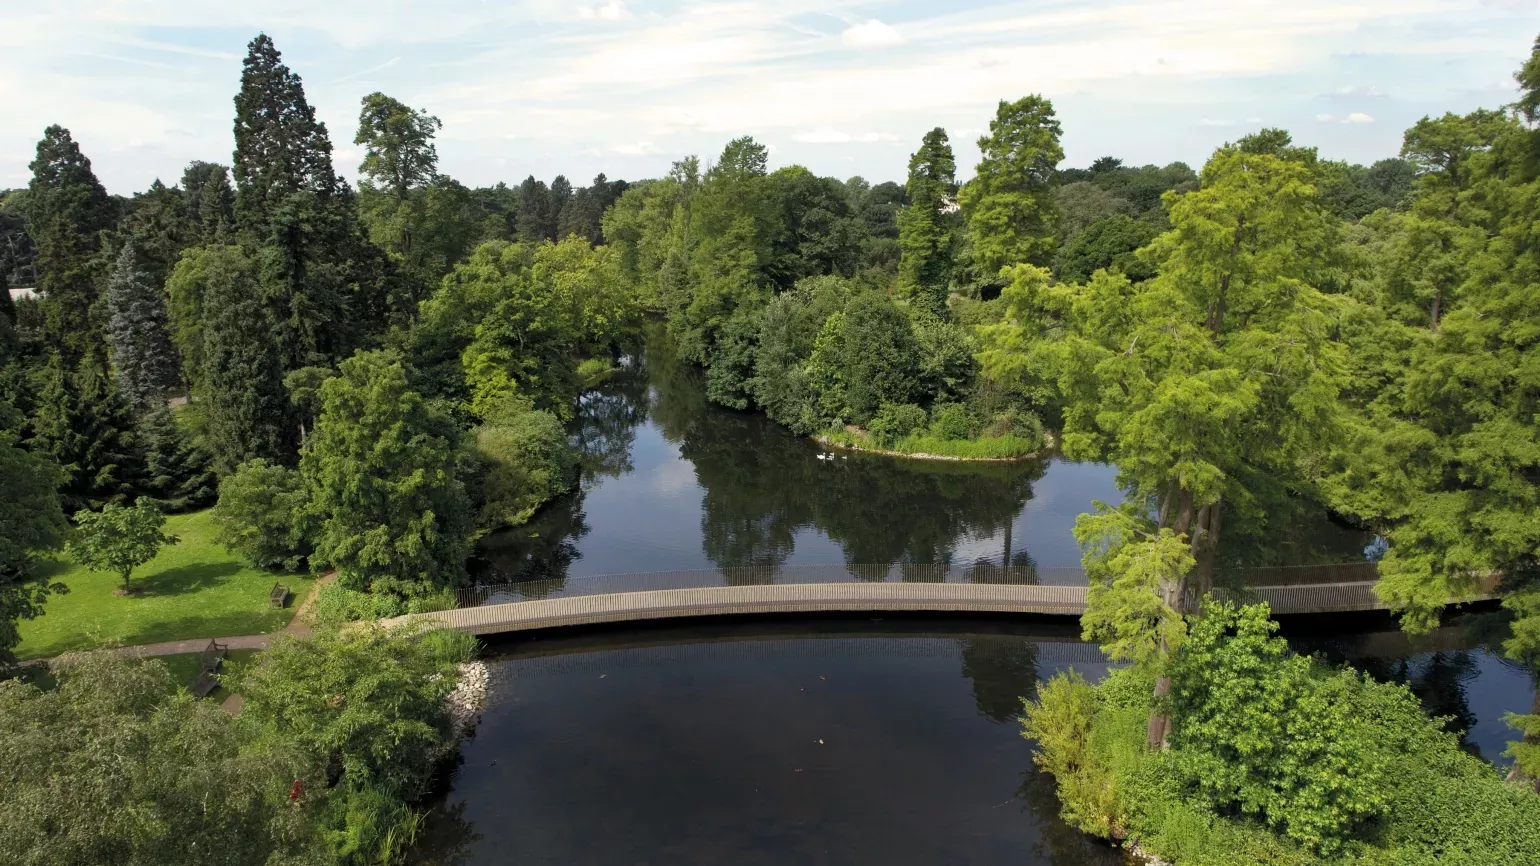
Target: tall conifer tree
point(142, 354)
point(210, 201)
point(241, 380)
point(86, 427)
point(925, 228)
point(294, 210)
point(67, 212)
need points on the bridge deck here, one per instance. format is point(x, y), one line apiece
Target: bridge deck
point(1061, 600)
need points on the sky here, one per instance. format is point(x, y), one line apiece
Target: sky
point(844, 87)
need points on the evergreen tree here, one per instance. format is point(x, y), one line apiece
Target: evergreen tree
point(160, 229)
point(31, 523)
point(533, 222)
point(177, 468)
point(294, 210)
point(1009, 203)
point(142, 353)
point(67, 212)
point(924, 227)
point(210, 201)
point(380, 469)
point(559, 200)
point(86, 428)
point(241, 380)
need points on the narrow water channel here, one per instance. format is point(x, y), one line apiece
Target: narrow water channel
point(700, 744)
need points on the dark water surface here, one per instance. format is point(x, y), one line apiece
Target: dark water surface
point(699, 744)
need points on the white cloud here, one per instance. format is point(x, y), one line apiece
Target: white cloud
point(835, 136)
point(871, 34)
point(1370, 92)
point(1355, 117)
point(640, 148)
point(613, 10)
point(1209, 121)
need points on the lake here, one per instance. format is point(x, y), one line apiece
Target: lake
point(825, 740)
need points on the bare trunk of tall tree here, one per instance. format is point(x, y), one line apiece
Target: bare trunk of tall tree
point(1174, 594)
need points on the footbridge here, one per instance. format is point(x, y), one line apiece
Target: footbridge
point(557, 603)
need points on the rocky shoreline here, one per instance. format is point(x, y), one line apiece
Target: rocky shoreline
point(468, 699)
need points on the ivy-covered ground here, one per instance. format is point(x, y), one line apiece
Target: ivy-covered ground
point(192, 589)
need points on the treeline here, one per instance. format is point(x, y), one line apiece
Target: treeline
point(301, 325)
point(828, 303)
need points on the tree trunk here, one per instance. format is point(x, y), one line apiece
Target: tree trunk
point(1205, 548)
point(1433, 311)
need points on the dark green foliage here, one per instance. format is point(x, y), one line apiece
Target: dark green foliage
point(241, 378)
point(364, 712)
point(324, 285)
point(31, 524)
point(177, 468)
point(925, 227)
point(263, 513)
point(728, 379)
point(18, 255)
point(820, 231)
point(894, 421)
point(535, 220)
point(789, 328)
point(138, 330)
point(84, 426)
point(380, 473)
point(1353, 191)
point(116, 766)
point(1107, 243)
point(67, 210)
point(210, 201)
point(159, 228)
point(877, 355)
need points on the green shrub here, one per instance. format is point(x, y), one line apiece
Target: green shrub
point(1275, 759)
point(953, 421)
point(336, 604)
point(1015, 422)
point(894, 422)
point(1003, 448)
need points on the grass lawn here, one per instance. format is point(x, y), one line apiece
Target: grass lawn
point(194, 589)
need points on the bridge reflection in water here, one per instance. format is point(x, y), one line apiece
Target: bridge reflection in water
point(982, 588)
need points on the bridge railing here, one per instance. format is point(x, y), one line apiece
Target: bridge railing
point(982, 573)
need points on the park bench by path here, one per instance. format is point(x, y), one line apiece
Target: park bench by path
point(207, 679)
point(279, 596)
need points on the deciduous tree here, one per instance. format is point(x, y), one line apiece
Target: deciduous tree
point(119, 538)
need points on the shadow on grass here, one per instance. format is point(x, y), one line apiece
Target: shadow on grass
point(196, 628)
point(185, 578)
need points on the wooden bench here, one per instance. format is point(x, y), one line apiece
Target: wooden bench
point(279, 595)
point(214, 656)
point(203, 684)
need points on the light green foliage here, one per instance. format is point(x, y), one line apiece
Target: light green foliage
point(31, 524)
point(1446, 453)
point(514, 317)
point(119, 538)
point(1217, 373)
point(380, 476)
point(1259, 734)
point(526, 461)
point(363, 707)
point(1316, 746)
point(263, 514)
point(1011, 213)
point(925, 231)
point(1133, 604)
point(1060, 721)
point(192, 589)
point(115, 766)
